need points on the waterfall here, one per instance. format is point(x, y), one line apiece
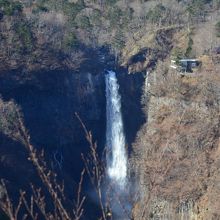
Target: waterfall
point(147, 84)
point(115, 139)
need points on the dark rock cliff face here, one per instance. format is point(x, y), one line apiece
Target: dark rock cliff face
point(49, 101)
point(131, 91)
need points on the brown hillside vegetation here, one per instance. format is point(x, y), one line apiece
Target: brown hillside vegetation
point(177, 152)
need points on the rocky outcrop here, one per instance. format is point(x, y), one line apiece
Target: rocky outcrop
point(142, 53)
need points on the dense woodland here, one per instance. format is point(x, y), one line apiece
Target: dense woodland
point(65, 26)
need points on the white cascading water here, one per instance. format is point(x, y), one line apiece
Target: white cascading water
point(115, 139)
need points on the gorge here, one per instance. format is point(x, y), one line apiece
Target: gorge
point(49, 101)
point(86, 85)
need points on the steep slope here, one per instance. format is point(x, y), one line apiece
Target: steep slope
point(176, 152)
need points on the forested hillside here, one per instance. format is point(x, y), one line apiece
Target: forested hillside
point(59, 31)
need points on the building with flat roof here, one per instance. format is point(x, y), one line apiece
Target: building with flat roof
point(185, 65)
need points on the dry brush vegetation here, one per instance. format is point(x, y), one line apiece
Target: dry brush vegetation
point(173, 152)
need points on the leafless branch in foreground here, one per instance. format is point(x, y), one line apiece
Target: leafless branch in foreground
point(94, 167)
point(96, 171)
point(36, 208)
